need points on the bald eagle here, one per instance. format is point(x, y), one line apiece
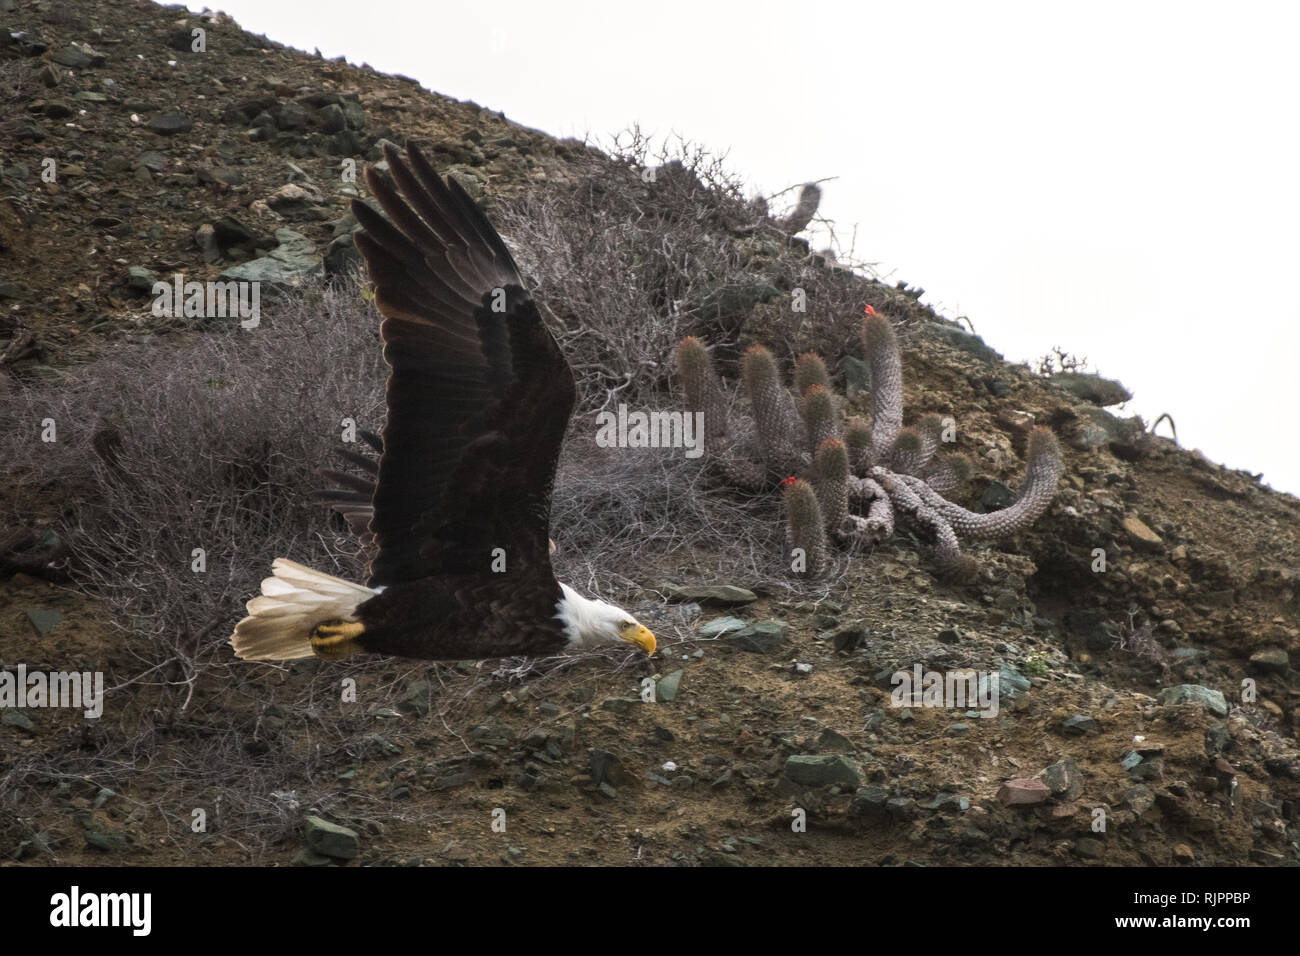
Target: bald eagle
point(479, 396)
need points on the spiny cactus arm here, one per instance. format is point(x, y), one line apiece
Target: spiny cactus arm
point(947, 549)
point(821, 416)
point(880, 510)
point(857, 436)
point(831, 482)
point(746, 473)
point(703, 390)
point(885, 366)
point(810, 370)
point(1043, 470)
point(810, 197)
point(804, 524)
point(930, 428)
point(780, 431)
point(947, 473)
point(908, 454)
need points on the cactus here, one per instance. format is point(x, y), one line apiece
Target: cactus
point(854, 479)
point(703, 390)
point(810, 370)
point(774, 412)
point(831, 482)
point(804, 526)
point(820, 415)
point(810, 197)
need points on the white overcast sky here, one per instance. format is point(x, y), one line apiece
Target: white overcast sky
point(1120, 179)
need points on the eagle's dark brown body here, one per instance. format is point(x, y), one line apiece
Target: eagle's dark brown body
point(458, 505)
point(461, 618)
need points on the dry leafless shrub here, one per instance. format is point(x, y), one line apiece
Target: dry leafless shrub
point(189, 468)
point(649, 245)
point(213, 445)
point(18, 84)
point(1140, 642)
point(1059, 360)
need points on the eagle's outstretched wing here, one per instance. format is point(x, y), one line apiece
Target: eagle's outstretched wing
point(479, 394)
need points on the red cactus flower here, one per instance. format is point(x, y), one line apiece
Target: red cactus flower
point(870, 310)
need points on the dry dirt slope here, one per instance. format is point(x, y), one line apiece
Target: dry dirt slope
point(419, 765)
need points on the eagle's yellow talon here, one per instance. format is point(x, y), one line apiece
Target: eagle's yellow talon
point(335, 640)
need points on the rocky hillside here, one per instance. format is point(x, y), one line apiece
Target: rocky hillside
point(1144, 630)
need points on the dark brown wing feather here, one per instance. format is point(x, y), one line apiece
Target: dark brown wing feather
point(479, 395)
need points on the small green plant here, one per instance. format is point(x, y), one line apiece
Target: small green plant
point(1035, 665)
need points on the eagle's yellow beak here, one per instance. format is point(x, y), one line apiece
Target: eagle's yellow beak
point(640, 635)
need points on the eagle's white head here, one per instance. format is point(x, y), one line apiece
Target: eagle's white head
point(588, 622)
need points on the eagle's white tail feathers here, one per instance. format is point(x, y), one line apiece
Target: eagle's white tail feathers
point(293, 602)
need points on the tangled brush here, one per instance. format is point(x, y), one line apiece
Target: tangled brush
point(847, 481)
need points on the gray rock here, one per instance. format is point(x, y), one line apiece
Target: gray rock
point(16, 718)
point(1011, 683)
point(181, 39)
point(1091, 388)
point(765, 637)
point(713, 595)
point(109, 841)
point(1211, 700)
point(305, 857)
point(294, 260)
point(78, 56)
point(43, 620)
point(606, 768)
point(619, 705)
point(416, 698)
point(330, 839)
point(948, 803)
point(963, 340)
point(996, 496)
point(1063, 779)
point(171, 123)
point(140, 280)
point(721, 625)
point(870, 802)
point(37, 845)
point(666, 689)
point(1096, 428)
point(451, 781)
point(205, 237)
point(331, 118)
point(846, 638)
point(1139, 799)
point(341, 256)
point(291, 116)
point(231, 232)
point(1216, 738)
point(1079, 724)
point(821, 770)
point(1089, 848)
point(834, 741)
point(354, 114)
point(1273, 660)
point(24, 130)
point(902, 808)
